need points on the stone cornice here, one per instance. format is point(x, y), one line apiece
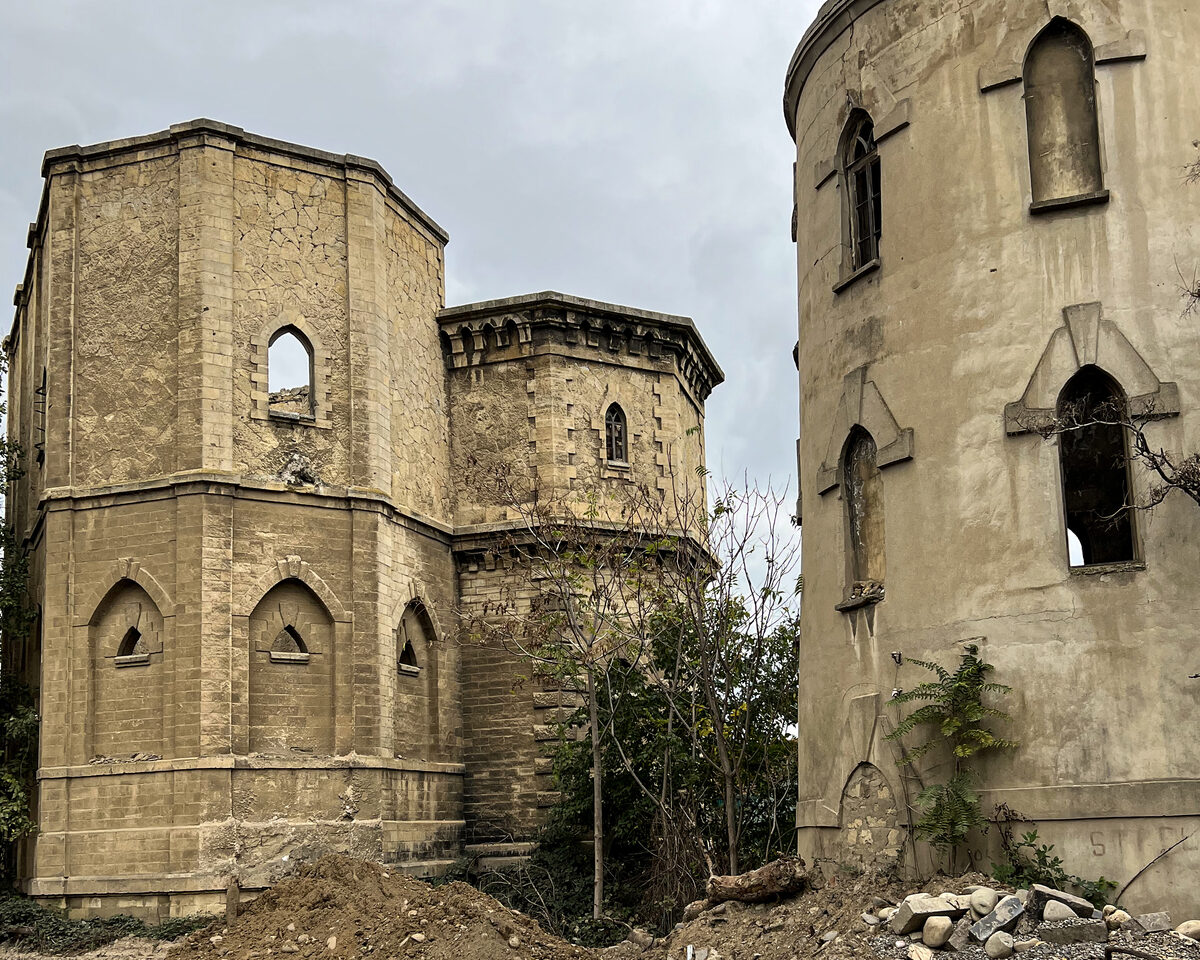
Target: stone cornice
point(610, 330)
point(833, 17)
point(347, 163)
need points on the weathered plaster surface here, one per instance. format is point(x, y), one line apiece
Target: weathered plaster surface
point(951, 328)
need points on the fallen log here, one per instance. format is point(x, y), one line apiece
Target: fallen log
point(782, 876)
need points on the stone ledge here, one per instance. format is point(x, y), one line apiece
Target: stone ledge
point(253, 762)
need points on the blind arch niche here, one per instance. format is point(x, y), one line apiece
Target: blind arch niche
point(1061, 119)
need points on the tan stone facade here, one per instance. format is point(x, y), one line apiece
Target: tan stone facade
point(1011, 218)
point(247, 651)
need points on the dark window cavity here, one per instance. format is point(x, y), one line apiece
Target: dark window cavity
point(1094, 457)
point(860, 170)
point(616, 443)
point(1060, 115)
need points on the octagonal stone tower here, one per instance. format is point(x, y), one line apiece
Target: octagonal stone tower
point(990, 218)
point(247, 647)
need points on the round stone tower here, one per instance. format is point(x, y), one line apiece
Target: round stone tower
point(992, 220)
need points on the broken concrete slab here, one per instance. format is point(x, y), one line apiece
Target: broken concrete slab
point(1039, 895)
point(1004, 917)
point(1074, 931)
point(914, 912)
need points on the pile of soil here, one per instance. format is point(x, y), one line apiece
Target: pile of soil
point(340, 907)
point(797, 928)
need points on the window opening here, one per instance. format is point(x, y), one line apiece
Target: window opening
point(288, 640)
point(407, 662)
point(863, 493)
point(861, 168)
point(1060, 115)
point(131, 643)
point(616, 446)
point(290, 374)
point(1094, 458)
point(39, 411)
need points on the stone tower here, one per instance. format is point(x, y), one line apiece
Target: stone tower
point(247, 647)
point(990, 219)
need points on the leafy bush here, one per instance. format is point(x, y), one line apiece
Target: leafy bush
point(1039, 865)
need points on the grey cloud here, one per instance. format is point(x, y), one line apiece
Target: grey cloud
point(625, 150)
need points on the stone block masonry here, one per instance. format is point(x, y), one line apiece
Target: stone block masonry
point(247, 651)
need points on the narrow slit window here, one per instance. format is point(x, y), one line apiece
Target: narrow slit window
point(616, 441)
point(290, 375)
point(860, 169)
point(1094, 459)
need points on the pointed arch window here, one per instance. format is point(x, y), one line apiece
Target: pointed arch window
point(1094, 469)
point(292, 393)
point(864, 204)
point(1061, 119)
point(862, 493)
point(616, 439)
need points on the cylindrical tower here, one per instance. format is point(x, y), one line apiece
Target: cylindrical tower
point(991, 221)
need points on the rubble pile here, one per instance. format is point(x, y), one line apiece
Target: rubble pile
point(1040, 922)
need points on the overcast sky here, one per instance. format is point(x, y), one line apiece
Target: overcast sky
point(632, 151)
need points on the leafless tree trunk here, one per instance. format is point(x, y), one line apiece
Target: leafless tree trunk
point(597, 800)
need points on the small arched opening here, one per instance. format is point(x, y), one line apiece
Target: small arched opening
point(291, 389)
point(616, 435)
point(1094, 470)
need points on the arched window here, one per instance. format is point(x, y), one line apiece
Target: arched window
point(860, 174)
point(862, 490)
point(1094, 458)
point(616, 441)
point(1060, 115)
point(290, 374)
point(414, 631)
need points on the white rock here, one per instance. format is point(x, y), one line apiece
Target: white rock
point(983, 900)
point(418, 938)
point(331, 943)
point(999, 946)
point(1117, 919)
point(885, 913)
point(1190, 929)
point(1022, 945)
point(514, 941)
point(918, 951)
point(936, 932)
point(1053, 911)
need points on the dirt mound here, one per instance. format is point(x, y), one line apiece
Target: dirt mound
point(825, 922)
point(341, 907)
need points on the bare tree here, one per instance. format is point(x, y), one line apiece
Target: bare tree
point(653, 580)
